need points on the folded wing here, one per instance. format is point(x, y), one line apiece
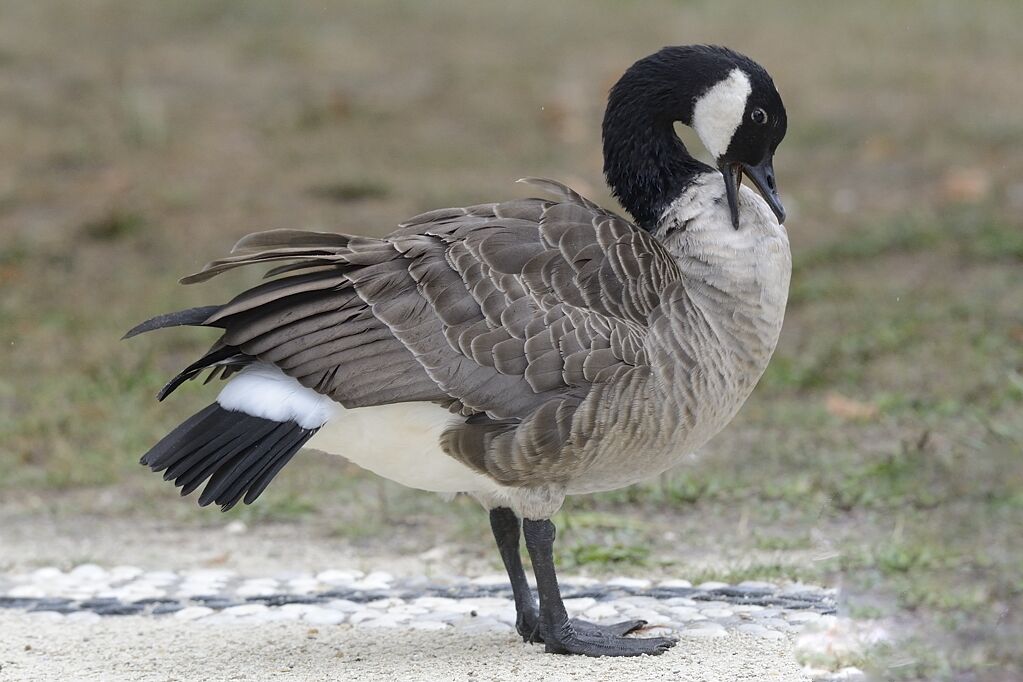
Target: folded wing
point(514, 314)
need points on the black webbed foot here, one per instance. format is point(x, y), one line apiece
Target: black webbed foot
point(563, 635)
point(596, 640)
point(529, 628)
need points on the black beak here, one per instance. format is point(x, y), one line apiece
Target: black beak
point(762, 176)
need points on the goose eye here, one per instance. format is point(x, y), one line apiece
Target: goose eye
point(759, 116)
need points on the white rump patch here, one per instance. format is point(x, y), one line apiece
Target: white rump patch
point(262, 390)
point(718, 112)
point(400, 442)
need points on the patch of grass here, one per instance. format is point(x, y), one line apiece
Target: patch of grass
point(601, 555)
point(116, 225)
point(782, 542)
point(995, 240)
point(768, 571)
point(277, 508)
point(349, 192)
point(901, 236)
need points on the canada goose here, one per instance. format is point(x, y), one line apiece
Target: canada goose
point(519, 351)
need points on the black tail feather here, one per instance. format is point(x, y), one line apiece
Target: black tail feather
point(193, 317)
point(216, 356)
point(238, 453)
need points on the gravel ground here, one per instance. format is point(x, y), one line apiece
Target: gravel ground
point(100, 599)
point(33, 647)
point(344, 622)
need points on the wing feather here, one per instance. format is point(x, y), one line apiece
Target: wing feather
point(517, 314)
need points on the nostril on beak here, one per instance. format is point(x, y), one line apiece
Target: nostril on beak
point(770, 182)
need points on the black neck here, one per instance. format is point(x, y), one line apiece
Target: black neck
point(645, 163)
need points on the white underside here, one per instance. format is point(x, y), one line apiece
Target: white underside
point(399, 442)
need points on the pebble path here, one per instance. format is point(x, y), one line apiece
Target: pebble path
point(89, 592)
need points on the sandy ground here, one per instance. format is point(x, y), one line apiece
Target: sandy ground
point(131, 648)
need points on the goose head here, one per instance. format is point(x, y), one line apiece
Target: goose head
point(727, 98)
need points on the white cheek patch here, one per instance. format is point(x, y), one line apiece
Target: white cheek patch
point(262, 390)
point(718, 112)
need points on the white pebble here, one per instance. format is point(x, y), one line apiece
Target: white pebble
point(758, 630)
point(434, 602)
point(47, 615)
point(803, 617)
point(758, 585)
point(244, 610)
point(193, 612)
point(125, 572)
point(680, 601)
point(362, 616)
point(712, 585)
point(652, 618)
point(601, 612)
point(271, 616)
point(659, 631)
point(380, 622)
point(717, 613)
point(88, 572)
point(256, 590)
point(385, 603)
point(235, 528)
point(407, 610)
point(345, 605)
point(507, 615)
point(303, 585)
point(686, 613)
point(210, 575)
point(380, 576)
point(82, 617)
point(299, 609)
point(27, 592)
point(47, 574)
point(377, 580)
point(579, 603)
point(324, 617)
point(159, 578)
point(336, 577)
point(708, 629)
point(576, 581)
point(636, 583)
point(493, 579)
point(747, 608)
point(491, 602)
point(777, 624)
point(676, 583)
point(428, 625)
point(639, 602)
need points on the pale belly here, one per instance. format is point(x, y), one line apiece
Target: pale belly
point(401, 443)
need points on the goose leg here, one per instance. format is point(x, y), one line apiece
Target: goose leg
point(562, 635)
point(505, 525)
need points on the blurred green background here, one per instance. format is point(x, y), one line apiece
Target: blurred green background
point(882, 450)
